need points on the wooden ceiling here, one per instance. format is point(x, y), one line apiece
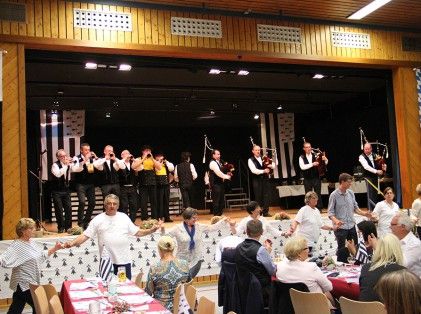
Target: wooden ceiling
point(397, 13)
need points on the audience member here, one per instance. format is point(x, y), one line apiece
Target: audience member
point(416, 209)
point(364, 250)
point(384, 211)
point(225, 248)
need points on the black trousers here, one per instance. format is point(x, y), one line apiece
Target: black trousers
point(218, 199)
point(315, 184)
point(163, 201)
point(342, 235)
point(261, 190)
point(62, 204)
point(372, 194)
point(128, 201)
point(186, 195)
point(148, 193)
point(88, 191)
point(110, 189)
point(20, 298)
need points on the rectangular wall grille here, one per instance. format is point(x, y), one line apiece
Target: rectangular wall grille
point(14, 12)
point(351, 40)
point(113, 21)
point(411, 44)
point(280, 34)
point(196, 27)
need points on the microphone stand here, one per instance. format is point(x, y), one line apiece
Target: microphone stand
point(39, 221)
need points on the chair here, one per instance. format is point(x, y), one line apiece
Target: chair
point(176, 301)
point(55, 305)
point(309, 302)
point(205, 306)
point(280, 300)
point(191, 294)
point(40, 299)
point(356, 307)
point(50, 291)
point(138, 280)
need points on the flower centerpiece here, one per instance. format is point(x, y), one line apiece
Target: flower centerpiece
point(120, 307)
point(148, 224)
point(328, 262)
point(281, 216)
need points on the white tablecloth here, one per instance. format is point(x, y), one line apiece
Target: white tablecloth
point(297, 190)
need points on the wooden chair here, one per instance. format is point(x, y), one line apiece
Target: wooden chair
point(309, 302)
point(55, 305)
point(191, 294)
point(40, 299)
point(50, 291)
point(176, 301)
point(205, 306)
point(356, 307)
point(138, 280)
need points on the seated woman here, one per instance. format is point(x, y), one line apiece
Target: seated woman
point(295, 268)
point(387, 258)
point(164, 277)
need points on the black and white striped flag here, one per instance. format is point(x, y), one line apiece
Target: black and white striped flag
point(277, 132)
point(60, 129)
point(105, 265)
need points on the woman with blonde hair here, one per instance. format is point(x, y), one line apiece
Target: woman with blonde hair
point(387, 257)
point(167, 274)
point(400, 292)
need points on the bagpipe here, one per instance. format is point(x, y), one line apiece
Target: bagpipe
point(319, 154)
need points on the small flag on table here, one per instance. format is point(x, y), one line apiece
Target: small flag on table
point(105, 265)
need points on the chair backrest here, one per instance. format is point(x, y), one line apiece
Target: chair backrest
point(280, 300)
point(138, 280)
point(176, 301)
point(40, 299)
point(55, 305)
point(191, 294)
point(50, 291)
point(356, 307)
point(309, 302)
point(205, 306)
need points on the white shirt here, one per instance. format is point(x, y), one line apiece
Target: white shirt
point(416, 211)
point(58, 172)
point(192, 169)
point(310, 222)
point(225, 243)
point(365, 164)
point(304, 166)
point(99, 163)
point(113, 232)
point(306, 272)
point(385, 212)
point(170, 166)
point(213, 165)
point(411, 249)
point(253, 168)
point(241, 228)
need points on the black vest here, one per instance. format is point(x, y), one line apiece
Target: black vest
point(213, 178)
point(61, 183)
point(258, 166)
point(109, 174)
point(246, 261)
point(368, 173)
point(185, 176)
point(127, 176)
point(84, 177)
point(312, 172)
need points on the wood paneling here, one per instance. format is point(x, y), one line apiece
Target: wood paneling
point(15, 183)
point(408, 131)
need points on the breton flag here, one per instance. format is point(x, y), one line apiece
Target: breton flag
point(60, 129)
point(105, 266)
point(277, 132)
point(418, 77)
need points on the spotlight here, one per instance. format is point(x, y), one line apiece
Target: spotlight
point(91, 66)
point(108, 114)
point(243, 72)
point(256, 116)
point(318, 76)
point(279, 107)
point(212, 112)
point(215, 71)
point(124, 67)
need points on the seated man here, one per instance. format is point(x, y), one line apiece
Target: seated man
point(252, 257)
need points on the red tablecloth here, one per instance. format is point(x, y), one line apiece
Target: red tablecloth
point(69, 308)
point(342, 288)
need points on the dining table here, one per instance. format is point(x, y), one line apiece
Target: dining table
point(345, 281)
point(82, 295)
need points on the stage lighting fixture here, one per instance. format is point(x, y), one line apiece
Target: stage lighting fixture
point(215, 71)
point(279, 107)
point(124, 67)
point(108, 114)
point(256, 116)
point(318, 76)
point(91, 66)
point(243, 72)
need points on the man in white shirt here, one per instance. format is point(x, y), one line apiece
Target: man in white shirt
point(260, 179)
point(366, 160)
point(216, 180)
point(113, 229)
point(310, 173)
point(401, 226)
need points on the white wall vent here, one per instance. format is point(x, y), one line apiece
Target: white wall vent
point(112, 21)
point(351, 40)
point(196, 27)
point(280, 34)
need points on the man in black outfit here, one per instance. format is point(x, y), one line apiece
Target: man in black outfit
point(109, 166)
point(216, 180)
point(128, 185)
point(185, 174)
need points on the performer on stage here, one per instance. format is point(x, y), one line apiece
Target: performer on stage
point(163, 187)
point(308, 166)
point(185, 174)
point(128, 185)
point(216, 180)
point(108, 165)
point(85, 183)
point(372, 174)
point(147, 166)
point(61, 170)
point(260, 179)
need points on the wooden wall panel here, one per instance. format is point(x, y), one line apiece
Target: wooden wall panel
point(408, 131)
point(15, 182)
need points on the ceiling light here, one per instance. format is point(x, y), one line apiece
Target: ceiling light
point(279, 107)
point(124, 67)
point(369, 8)
point(256, 116)
point(214, 71)
point(108, 114)
point(243, 72)
point(103, 66)
point(318, 76)
point(91, 66)
point(212, 112)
